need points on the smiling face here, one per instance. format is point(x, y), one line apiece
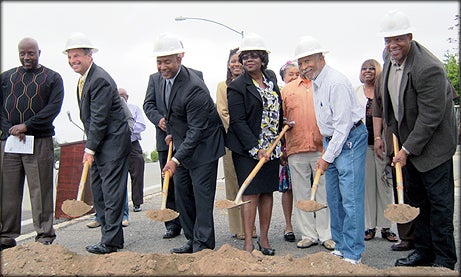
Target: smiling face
point(311, 66)
point(398, 47)
point(235, 66)
point(168, 66)
point(368, 72)
point(79, 59)
point(28, 53)
point(251, 61)
point(291, 73)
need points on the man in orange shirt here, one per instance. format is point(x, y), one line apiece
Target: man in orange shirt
point(304, 148)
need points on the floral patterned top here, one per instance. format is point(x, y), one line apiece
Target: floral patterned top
point(270, 120)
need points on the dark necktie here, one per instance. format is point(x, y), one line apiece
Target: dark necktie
point(167, 92)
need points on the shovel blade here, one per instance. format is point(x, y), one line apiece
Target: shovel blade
point(228, 204)
point(75, 208)
point(162, 215)
point(401, 213)
point(310, 205)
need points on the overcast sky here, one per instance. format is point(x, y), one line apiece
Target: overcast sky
point(124, 32)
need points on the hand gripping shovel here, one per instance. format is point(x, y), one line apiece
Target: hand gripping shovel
point(400, 213)
point(312, 205)
point(77, 208)
point(228, 204)
point(164, 214)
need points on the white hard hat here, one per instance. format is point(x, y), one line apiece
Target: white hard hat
point(167, 44)
point(78, 40)
point(395, 23)
point(307, 46)
point(250, 42)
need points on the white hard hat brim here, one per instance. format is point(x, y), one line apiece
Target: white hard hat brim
point(95, 50)
point(252, 49)
point(168, 53)
point(308, 53)
point(395, 33)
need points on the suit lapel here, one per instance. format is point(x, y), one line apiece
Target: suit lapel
point(252, 88)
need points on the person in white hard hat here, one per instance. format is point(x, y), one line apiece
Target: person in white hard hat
point(256, 118)
point(31, 97)
point(193, 124)
point(339, 118)
point(418, 108)
point(108, 141)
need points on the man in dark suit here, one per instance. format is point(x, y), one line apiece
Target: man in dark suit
point(193, 124)
point(108, 141)
point(418, 108)
point(155, 110)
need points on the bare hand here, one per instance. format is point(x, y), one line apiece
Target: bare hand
point(162, 124)
point(379, 149)
point(89, 158)
point(168, 138)
point(322, 165)
point(262, 155)
point(400, 157)
point(169, 166)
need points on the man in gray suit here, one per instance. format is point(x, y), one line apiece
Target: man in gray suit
point(108, 141)
point(418, 108)
point(193, 123)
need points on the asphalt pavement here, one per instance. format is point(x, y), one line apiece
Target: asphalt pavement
point(144, 235)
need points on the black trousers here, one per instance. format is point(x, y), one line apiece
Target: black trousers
point(170, 200)
point(433, 193)
point(195, 191)
point(108, 184)
point(136, 170)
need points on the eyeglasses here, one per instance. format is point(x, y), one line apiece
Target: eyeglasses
point(251, 55)
point(368, 68)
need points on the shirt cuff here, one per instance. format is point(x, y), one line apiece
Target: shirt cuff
point(175, 161)
point(406, 151)
point(89, 151)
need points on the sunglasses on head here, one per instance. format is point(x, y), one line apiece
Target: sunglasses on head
point(251, 55)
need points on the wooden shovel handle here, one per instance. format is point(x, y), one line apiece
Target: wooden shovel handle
point(81, 185)
point(258, 166)
point(318, 173)
point(166, 180)
point(398, 171)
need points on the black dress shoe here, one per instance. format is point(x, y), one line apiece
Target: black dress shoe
point(404, 245)
point(266, 251)
point(171, 233)
point(414, 259)
point(6, 246)
point(187, 248)
point(101, 248)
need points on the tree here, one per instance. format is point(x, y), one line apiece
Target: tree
point(154, 156)
point(452, 68)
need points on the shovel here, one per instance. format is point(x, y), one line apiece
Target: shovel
point(164, 214)
point(77, 208)
point(312, 205)
point(400, 213)
point(228, 204)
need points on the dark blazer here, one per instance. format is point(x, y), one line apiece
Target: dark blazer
point(154, 106)
point(426, 126)
point(245, 111)
point(193, 121)
point(106, 124)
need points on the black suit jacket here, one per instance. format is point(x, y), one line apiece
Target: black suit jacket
point(105, 122)
point(245, 111)
point(193, 121)
point(154, 106)
point(426, 124)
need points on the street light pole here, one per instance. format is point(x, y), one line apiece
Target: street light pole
point(181, 18)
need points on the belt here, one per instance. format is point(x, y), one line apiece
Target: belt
point(357, 124)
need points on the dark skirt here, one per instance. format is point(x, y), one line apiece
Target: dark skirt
point(265, 181)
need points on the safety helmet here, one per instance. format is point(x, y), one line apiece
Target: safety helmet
point(395, 23)
point(252, 41)
point(307, 46)
point(78, 40)
point(167, 44)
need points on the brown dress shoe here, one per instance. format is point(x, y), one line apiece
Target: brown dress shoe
point(403, 245)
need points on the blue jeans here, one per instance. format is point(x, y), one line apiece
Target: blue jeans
point(126, 212)
point(345, 185)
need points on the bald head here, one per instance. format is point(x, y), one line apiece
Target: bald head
point(29, 53)
point(122, 92)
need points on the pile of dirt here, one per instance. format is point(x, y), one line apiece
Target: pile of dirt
point(35, 259)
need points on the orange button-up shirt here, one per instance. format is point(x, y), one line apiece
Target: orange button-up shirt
point(298, 106)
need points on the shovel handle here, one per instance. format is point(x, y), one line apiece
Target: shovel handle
point(318, 173)
point(258, 166)
point(398, 171)
point(81, 185)
point(166, 180)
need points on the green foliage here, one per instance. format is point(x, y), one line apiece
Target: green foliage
point(452, 68)
point(154, 156)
